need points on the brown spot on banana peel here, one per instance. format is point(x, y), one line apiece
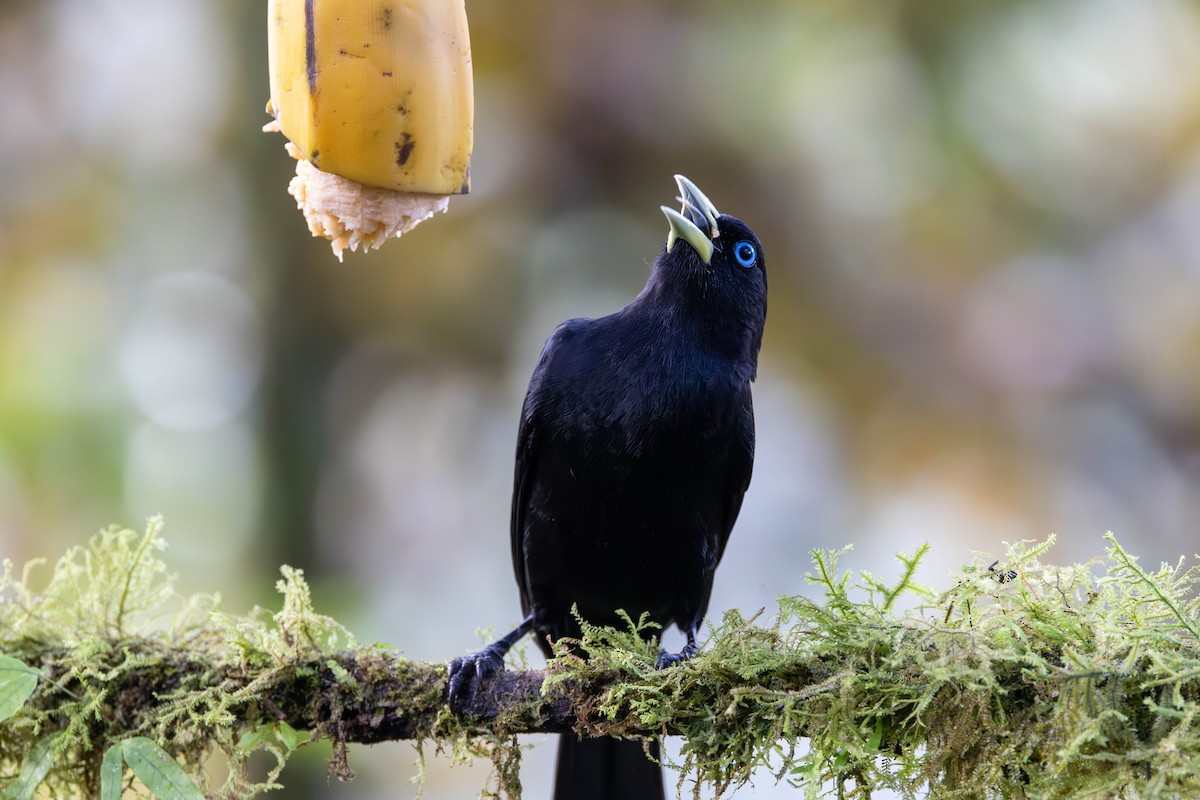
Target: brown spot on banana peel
point(310, 46)
point(404, 149)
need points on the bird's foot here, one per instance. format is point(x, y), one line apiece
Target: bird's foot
point(467, 672)
point(666, 659)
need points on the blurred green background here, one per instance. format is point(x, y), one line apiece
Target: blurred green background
point(982, 228)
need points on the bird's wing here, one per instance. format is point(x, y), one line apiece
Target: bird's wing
point(532, 435)
point(741, 464)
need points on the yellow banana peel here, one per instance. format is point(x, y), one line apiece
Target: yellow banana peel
point(376, 101)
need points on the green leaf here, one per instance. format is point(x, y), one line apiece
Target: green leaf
point(17, 682)
point(112, 773)
point(289, 736)
point(876, 737)
point(33, 770)
point(162, 774)
point(250, 738)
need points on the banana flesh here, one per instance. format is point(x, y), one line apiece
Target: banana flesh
point(375, 98)
point(351, 214)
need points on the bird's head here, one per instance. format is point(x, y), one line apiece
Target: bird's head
point(718, 263)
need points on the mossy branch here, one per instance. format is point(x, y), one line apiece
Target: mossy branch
point(1020, 680)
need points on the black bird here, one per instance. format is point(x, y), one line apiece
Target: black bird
point(635, 448)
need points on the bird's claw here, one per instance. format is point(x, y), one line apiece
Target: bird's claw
point(467, 672)
point(666, 659)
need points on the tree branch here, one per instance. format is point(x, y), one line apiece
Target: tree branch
point(392, 698)
point(1021, 679)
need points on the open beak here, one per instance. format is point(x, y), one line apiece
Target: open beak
point(696, 223)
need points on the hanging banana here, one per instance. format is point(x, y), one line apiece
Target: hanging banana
point(375, 99)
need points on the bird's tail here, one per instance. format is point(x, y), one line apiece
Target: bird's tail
point(606, 769)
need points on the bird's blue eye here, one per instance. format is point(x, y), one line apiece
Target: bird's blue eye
point(745, 254)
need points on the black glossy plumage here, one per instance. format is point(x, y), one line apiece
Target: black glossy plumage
point(636, 445)
point(635, 448)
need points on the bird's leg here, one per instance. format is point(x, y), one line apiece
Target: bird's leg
point(666, 659)
point(468, 671)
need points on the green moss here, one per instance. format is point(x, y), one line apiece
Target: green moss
point(1021, 680)
point(112, 670)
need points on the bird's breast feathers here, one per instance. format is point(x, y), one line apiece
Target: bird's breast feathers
point(629, 383)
